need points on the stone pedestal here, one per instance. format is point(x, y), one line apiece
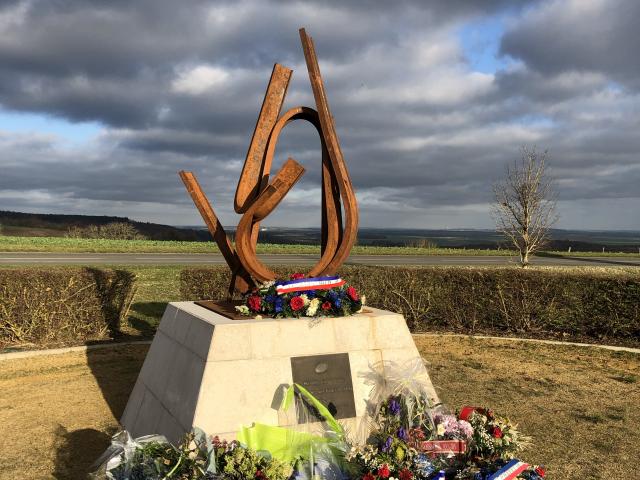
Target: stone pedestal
point(217, 374)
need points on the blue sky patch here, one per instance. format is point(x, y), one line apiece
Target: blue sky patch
point(44, 124)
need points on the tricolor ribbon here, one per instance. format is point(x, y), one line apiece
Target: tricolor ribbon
point(440, 476)
point(303, 284)
point(510, 471)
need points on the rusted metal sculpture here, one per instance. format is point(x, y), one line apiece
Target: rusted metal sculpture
point(257, 196)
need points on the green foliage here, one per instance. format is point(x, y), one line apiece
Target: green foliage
point(595, 303)
point(110, 231)
point(242, 463)
point(62, 305)
point(156, 460)
point(153, 460)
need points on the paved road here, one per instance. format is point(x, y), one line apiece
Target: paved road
point(213, 259)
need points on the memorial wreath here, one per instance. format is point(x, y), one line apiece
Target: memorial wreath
point(301, 296)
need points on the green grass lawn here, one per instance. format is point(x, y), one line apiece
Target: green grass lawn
point(85, 245)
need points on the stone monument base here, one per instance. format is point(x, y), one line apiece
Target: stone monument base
point(204, 370)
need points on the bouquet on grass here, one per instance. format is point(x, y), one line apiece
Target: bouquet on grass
point(411, 442)
point(196, 457)
point(303, 297)
point(412, 439)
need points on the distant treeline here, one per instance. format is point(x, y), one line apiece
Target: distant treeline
point(41, 224)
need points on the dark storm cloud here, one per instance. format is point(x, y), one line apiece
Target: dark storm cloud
point(592, 36)
point(125, 53)
point(180, 87)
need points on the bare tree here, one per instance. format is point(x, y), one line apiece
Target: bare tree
point(524, 208)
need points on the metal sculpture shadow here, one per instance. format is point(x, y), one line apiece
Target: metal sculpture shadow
point(257, 195)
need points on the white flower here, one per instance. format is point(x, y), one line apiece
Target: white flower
point(193, 450)
point(258, 317)
point(313, 307)
point(243, 309)
point(305, 299)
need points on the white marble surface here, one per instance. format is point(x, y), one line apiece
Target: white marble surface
point(208, 371)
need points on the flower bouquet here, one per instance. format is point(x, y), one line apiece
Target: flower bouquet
point(196, 457)
point(494, 437)
point(410, 439)
point(303, 297)
point(451, 436)
point(438, 446)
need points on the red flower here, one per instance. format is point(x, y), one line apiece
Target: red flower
point(255, 302)
point(353, 295)
point(497, 432)
point(540, 471)
point(383, 471)
point(260, 474)
point(326, 306)
point(405, 474)
point(297, 276)
point(369, 476)
point(296, 303)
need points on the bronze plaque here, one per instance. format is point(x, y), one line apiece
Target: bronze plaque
point(328, 378)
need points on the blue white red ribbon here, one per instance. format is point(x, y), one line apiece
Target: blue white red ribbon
point(439, 476)
point(510, 471)
point(303, 284)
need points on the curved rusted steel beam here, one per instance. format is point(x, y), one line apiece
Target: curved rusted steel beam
point(335, 154)
point(331, 229)
point(241, 281)
point(253, 170)
point(268, 200)
point(250, 183)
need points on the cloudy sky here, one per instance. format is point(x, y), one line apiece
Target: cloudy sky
point(101, 103)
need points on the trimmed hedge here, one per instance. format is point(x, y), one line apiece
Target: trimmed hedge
point(62, 305)
point(602, 303)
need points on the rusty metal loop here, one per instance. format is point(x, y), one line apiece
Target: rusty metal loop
point(245, 237)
